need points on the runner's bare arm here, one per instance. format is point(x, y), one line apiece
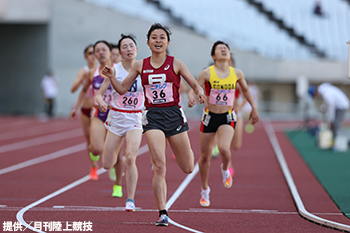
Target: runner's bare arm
point(201, 79)
point(79, 78)
point(81, 94)
point(102, 105)
point(180, 68)
point(123, 87)
point(254, 117)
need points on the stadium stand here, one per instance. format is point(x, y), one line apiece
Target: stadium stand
point(270, 28)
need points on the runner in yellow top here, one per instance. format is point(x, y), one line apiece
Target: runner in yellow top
point(218, 117)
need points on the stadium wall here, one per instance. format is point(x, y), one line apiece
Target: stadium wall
point(70, 25)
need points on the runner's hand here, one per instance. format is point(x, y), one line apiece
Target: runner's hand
point(254, 117)
point(103, 107)
point(72, 114)
point(107, 71)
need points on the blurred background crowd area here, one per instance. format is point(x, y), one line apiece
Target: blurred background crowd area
point(282, 46)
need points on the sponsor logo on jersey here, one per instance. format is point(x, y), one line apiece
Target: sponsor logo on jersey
point(147, 71)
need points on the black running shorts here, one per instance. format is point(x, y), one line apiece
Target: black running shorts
point(170, 120)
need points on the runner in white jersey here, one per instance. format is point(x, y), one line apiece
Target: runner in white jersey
point(126, 116)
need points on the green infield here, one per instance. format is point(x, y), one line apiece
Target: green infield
point(332, 169)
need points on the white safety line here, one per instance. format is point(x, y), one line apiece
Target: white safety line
point(20, 214)
point(178, 192)
point(182, 186)
point(141, 150)
point(41, 140)
point(293, 189)
point(139, 209)
point(44, 158)
point(32, 131)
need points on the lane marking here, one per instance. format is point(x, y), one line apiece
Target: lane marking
point(178, 192)
point(182, 186)
point(141, 150)
point(293, 189)
point(20, 213)
point(41, 140)
point(32, 131)
point(139, 209)
point(44, 158)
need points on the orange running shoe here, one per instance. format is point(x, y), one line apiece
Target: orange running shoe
point(226, 178)
point(232, 171)
point(93, 173)
point(205, 201)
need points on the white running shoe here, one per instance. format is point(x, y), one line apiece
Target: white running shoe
point(226, 178)
point(129, 206)
point(204, 201)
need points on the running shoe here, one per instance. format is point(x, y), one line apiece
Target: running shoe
point(129, 206)
point(215, 152)
point(232, 171)
point(112, 175)
point(93, 173)
point(226, 178)
point(94, 158)
point(162, 221)
point(117, 191)
point(204, 201)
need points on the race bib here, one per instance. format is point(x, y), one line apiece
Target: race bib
point(222, 97)
point(205, 118)
point(159, 93)
point(132, 100)
point(107, 97)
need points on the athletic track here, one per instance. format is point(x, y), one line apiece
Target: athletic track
point(44, 178)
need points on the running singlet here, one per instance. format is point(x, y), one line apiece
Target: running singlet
point(89, 91)
point(133, 99)
point(221, 91)
point(96, 83)
point(161, 85)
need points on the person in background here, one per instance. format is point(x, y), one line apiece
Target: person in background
point(318, 9)
point(86, 107)
point(49, 86)
point(98, 130)
point(115, 55)
point(254, 90)
point(335, 104)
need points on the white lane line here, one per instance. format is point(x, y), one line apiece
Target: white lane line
point(32, 131)
point(141, 150)
point(297, 199)
point(139, 209)
point(182, 186)
point(178, 192)
point(20, 213)
point(41, 140)
point(44, 158)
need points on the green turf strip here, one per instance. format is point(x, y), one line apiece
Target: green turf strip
point(331, 169)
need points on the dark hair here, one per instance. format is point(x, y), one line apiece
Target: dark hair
point(114, 45)
point(130, 36)
point(87, 47)
point(156, 26)
point(105, 42)
point(216, 44)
